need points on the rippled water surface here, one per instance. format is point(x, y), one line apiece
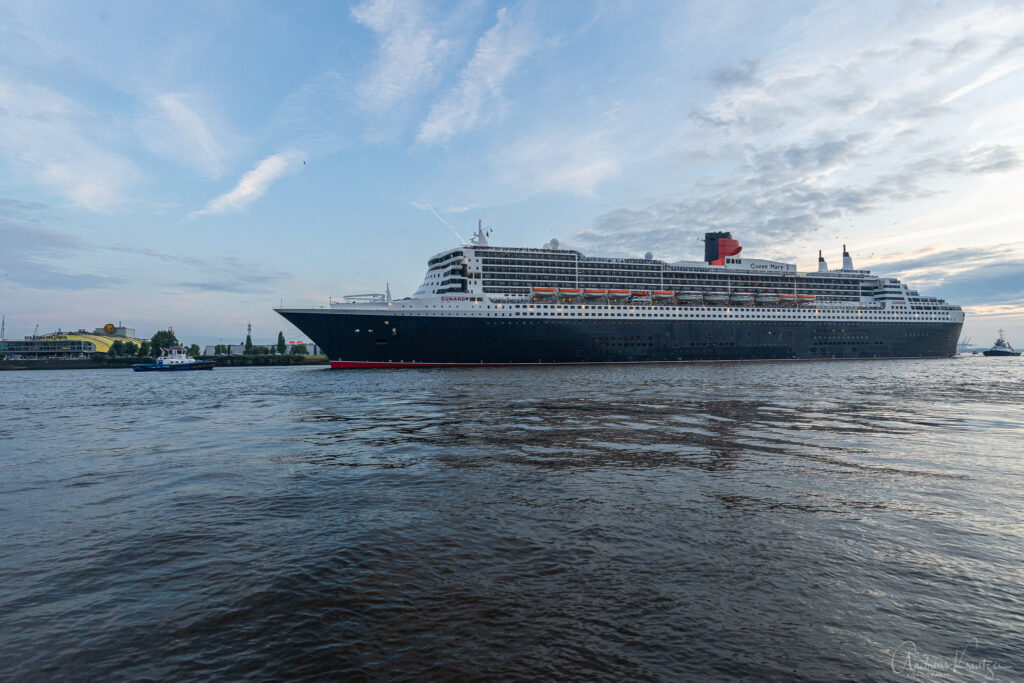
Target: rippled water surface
point(816, 520)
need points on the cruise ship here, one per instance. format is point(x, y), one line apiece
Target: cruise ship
point(491, 305)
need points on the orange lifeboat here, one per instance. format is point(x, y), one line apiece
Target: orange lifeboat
point(639, 293)
point(618, 293)
point(544, 290)
point(663, 295)
point(570, 291)
point(594, 293)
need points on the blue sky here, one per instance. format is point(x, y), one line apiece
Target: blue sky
point(195, 164)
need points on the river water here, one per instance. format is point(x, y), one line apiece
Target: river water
point(855, 520)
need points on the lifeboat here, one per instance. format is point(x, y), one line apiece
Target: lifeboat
point(663, 295)
point(805, 299)
point(741, 297)
point(690, 296)
point(544, 292)
point(570, 292)
point(787, 298)
point(595, 293)
point(767, 298)
point(618, 294)
point(716, 297)
point(639, 293)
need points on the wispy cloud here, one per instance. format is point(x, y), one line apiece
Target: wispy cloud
point(253, 184)
point(57, 142)
point(409, 55)
point(31, 257)
point(40, 257)
point(175, 129)
point(565, 161)
point(498, 53)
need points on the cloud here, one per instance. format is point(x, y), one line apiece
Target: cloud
point(931, 258)
point(21, 209)
point(28, 252)
point(409, 55)
point(53, 140)
point(986, 159)
point(43, 258)
point(247, 285)
point(776, 199)
point(253, 184)
point(573, 162)
point(498, 53)
point(792, 142)
point(996, 283)
point(744, 73)
point(173, 129)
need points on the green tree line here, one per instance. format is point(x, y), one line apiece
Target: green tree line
point(165, 339)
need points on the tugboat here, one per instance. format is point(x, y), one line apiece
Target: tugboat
point(1001, 347)
point(176, 359)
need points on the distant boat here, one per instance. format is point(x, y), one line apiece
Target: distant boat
point(1002, 347)
point(177, 360)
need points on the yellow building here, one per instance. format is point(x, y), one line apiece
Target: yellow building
point(101, 343)
point(80, 344)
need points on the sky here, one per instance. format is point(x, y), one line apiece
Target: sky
point(196, 164)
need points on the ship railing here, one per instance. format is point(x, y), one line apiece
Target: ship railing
point(648, 301)
point(364, 299)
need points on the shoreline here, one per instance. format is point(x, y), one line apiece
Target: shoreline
point(222, 362)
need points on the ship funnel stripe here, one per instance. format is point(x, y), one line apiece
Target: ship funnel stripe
point(719, 245)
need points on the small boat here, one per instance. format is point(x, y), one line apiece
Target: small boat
point(690, 296)
point(618, 294)
point(741, 298)
point(640, 294)
point(716, 297)
point(176, 360)
point(570, 292)
point(543, 292)
point(805, 299)
point(788, 298)
point(767, 298)
point(1001, 347)
point(662, 296)
point(595, 293)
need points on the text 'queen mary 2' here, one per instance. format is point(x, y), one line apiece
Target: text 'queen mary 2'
point(490, 305)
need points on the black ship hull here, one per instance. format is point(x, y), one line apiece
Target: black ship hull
point(373, 340)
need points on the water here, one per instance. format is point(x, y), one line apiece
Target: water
point(853, 520)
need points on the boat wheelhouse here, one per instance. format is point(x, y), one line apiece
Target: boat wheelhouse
point(1001, 347)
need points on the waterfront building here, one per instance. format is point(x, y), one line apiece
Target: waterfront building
point(67, 345)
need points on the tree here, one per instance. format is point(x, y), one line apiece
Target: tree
point(163, 340)
point(144, 348)
point(220, 349)
point(116, 349)
point(248, 344)
point(299, 350)
point(194, 350)
point(280, 342)
point(131, 348)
